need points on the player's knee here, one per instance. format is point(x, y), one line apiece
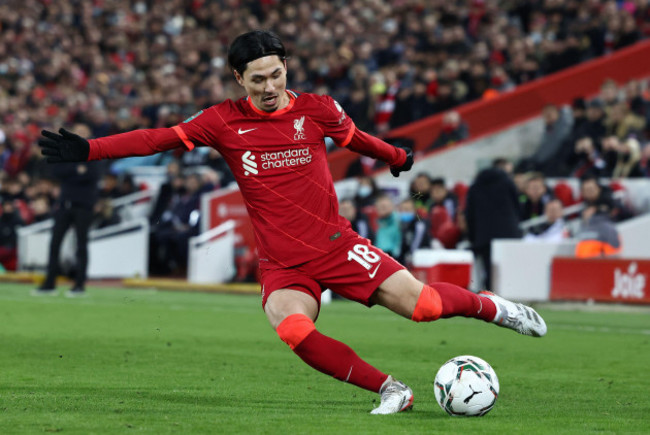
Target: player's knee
point(428, 306)
point(294, 329)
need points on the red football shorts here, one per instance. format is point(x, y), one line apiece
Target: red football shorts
point(354, 270)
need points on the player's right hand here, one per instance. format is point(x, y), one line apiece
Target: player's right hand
point(64, 147)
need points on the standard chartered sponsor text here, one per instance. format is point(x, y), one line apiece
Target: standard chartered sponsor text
point(281, 159)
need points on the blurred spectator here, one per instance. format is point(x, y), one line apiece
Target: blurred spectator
point(411, 104)
point(557, 128)
point(586, 159)
point(420, 191)
point(115, 65)
point(178, 223)
point(104, 214)
point(218, 164)
point(598, 236)
point(601, 199)
point(453, 130)
point(441, 196)
point(623, 157)
point(389, 234)
point(367, 192)
point(109, 186)
point(415, 231)
point(594, 124)
point(644, 163)
point(554, 229)
point(622, 122)
point(359, 221)
point(127, 185)
point(492, 212)
point(40, 206)
point(10, 221)
point(537, 196)
point(169, 189)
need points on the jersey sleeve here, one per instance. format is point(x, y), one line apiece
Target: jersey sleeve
point(198, 129)
point(335, 122)
point(133, 143)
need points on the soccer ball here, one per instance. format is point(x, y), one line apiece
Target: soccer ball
point(466, 386)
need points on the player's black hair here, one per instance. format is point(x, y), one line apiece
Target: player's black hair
point(253, 45)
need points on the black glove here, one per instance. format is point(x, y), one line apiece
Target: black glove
point(64, 147)
point(395, 170)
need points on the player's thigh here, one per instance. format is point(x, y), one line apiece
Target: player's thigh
point(399, 293)
point(285, 302)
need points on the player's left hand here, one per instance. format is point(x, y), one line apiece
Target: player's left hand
point(395, 170)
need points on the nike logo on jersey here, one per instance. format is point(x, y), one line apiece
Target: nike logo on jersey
point(240, 131)
point(374, 272)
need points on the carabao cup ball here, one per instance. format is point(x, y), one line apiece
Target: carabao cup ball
point(466, 386)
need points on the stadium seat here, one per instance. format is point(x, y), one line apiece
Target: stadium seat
point(616, 186)
point(564, 193)
point(461, 189)
point(448, 234)
point(371, 212)
point(439, 216)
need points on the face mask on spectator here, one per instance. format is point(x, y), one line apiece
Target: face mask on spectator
point(364, 191)
point(407, 217)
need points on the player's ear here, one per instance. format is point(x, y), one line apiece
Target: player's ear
point(238, 77)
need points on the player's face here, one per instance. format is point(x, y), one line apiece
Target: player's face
point(265, 81)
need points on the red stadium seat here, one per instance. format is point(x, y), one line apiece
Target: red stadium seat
point(461, 189)
point(439, 216)
point(616, 185)
point(448, 234)
point(371, 212)
point(564, 193)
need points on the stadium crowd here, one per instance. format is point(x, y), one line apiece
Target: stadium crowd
point(123, 64)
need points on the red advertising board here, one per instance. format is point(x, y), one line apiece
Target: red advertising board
point(604, 280)
point(228, 204)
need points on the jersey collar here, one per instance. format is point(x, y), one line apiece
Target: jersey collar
point(292, 100)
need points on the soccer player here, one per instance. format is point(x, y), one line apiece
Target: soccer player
point(273, 141)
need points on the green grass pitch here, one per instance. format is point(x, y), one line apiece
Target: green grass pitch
point(122, 361)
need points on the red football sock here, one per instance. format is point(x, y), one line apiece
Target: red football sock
point(337, 359)
point(457, 301)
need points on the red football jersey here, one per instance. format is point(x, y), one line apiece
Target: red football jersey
point(279, 161)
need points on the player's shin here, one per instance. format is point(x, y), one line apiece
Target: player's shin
point(327, 355)
point(443, 299)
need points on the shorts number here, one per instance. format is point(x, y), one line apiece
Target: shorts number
point(363, 255)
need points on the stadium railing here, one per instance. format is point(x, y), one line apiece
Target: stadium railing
point(135, 205)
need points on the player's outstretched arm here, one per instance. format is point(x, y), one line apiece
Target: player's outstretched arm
point(69, 147)
point(400, 159)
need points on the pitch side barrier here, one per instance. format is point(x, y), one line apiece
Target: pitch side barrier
point(117, 251)
point(211, 256)
point(485, 117)
point(528, 271)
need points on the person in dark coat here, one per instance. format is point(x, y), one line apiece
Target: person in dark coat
point(79, 192)
point(492, 212)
